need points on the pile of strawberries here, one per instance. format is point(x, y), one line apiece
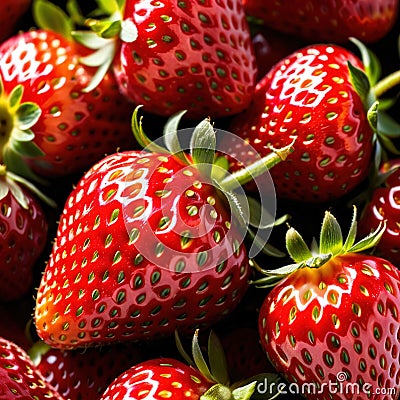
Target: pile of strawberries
point(155, 159)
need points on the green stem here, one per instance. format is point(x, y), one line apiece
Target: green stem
point(248, 173)
point(386, 84)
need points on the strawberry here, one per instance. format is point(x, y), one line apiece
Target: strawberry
point(162, 378)
point(83, 374)
point(336, 21)
point(156, 380)
point(23, 228)
point(171, 56)
point(314, 96)
point(385, 205)
point(49, 121)
point(10, 15)
point(148, 242)
point(333, 320)
point(19, 378)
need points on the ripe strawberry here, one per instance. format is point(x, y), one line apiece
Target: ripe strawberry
point(385, 205)
point(333, 320)
point(158, 379)
point(19, 378)
point(309, 95)
point(49, 121)
point(10, 14)
point(190, 55)
point(146, 244)
point(23, 232)
point(169, 378)
point(336, 21)
point(83, 374)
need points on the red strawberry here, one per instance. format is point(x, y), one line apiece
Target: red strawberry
point(23, 233)
point(190, 55)
point(310, 95)
point(158, 379)
point(11, 12)
point(49, 121)
point(385, 205)
point(83, 374)
point(336, 21)
point(333, 320)
point(169, 378)
point(19, 378)
point(146, 244)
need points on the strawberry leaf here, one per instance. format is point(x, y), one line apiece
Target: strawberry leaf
point(27, 115)
point(360, 81)
point(141, 137)
point(370, 61)
point(331, 239)
point(49, 16)
point(198, 358)
point(14, 99)
point(171, 138)
point(217, 391)
point(27, 148)
point(244, 392)
point(370, 241)
point(90, 39)
point(217, 359)
point(296, 246)
point(351, 236)
point(202, 146)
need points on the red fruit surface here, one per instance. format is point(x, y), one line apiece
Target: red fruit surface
point(188, 55)
point(86, 373)
point(343, 317)
point(156, 380)
point(19, 379)
point(143, 248)
point(328, 20)
point(309, 97)
point(385, 206)
point(75, 129)
point(23, 237)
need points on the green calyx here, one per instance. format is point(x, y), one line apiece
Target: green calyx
point(213, 167)
point(371, 89)
point(16, 136)
point(203, 153)
point(216, 370)
point(10, 182)
point(331, 244)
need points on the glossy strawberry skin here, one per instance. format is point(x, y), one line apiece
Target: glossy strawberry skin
point(23, 235)
point(75, 129)
point(85, 374)
point(341, 317)
point(309, 96)
point(336, 21)
point(19, 379)
point(189, 55)
point(103, 285)
point(158, 379)
point(385, 206)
